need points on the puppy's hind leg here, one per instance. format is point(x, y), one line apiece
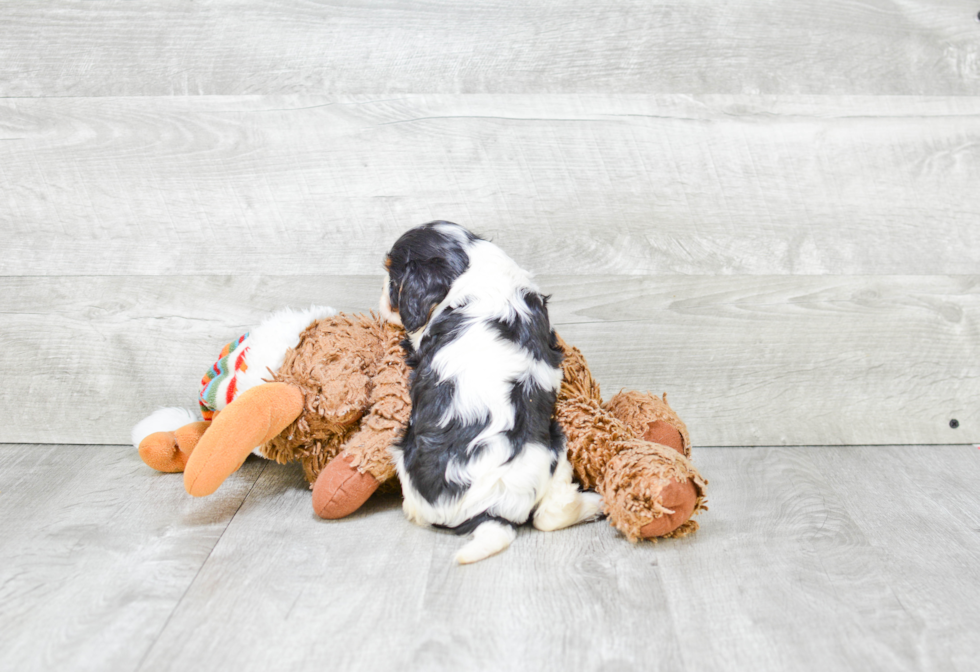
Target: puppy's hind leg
point(564, 504)
point(489, 538)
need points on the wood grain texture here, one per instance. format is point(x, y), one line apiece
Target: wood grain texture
point(153, 48)
point(96, 551)
point(805, 360)
point(808, 559)
point(850, 558)
point(927, 525)
point(709, 185)
point(382, 594)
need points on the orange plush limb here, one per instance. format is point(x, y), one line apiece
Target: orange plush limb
point(256, 416)
point(680, 498)
point(169, 451)
point(651, 418)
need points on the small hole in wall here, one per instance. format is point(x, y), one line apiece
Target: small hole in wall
point(954, 423)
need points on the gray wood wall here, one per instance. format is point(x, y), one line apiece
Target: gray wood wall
point(768, 210)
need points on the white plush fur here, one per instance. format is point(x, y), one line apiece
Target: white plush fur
point(268, 342)
point(162, 420)
point(483, 367)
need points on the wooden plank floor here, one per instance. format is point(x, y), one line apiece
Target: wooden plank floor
point(856, 558)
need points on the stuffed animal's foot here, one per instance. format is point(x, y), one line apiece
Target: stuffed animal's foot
point(159, 450)
point(651, 418)
point(675, 497)
point(169, 451)
point(256, 416)
point(652, 491)
point(341, 489)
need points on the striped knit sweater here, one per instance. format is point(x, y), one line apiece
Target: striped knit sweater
point(220, 383)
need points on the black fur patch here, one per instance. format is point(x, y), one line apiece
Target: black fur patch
point(422, 265)
point(428, 447)
point(557, 443)
point(534, 408)
point(468, 526)
point(534, 332)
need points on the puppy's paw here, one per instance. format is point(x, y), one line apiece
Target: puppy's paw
point(591, 506)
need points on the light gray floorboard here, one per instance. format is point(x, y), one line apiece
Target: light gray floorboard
point(147, 47)
point(926, 535)
point(785, 360)
point(808, 559)
point(382, 594)
point(781, 577)
point(96, 550)
point(633, 185)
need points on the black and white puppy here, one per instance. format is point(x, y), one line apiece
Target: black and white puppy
point(482, 452)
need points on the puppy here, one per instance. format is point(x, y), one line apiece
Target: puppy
point(482, 452)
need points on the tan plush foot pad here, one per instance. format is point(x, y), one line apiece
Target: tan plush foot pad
point(666, 435)
point(341, 489)
point(159, 450)
point(189, 435)
point(651, 490)
point(679, 497)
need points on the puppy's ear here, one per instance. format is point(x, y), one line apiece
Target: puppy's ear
point(424, 285)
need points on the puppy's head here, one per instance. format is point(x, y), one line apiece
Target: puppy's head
point(422, 266)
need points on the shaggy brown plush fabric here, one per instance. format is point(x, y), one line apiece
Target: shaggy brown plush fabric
point(607, 454)
point(345, 364)
point(634, 483)
point(639, 410)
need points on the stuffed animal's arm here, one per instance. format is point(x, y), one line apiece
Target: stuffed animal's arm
point(365, 462)
point(381, 427)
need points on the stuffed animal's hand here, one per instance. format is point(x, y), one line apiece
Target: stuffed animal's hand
point(341, 488)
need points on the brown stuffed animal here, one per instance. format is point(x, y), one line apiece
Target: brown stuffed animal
point(337, 398)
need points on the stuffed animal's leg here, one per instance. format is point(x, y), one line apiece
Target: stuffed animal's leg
point(677, 498)
point(169, 451)
point(650, 418)
point(650, 490)
point(256, 416)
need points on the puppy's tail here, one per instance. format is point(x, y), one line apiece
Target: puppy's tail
point(491, 536)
